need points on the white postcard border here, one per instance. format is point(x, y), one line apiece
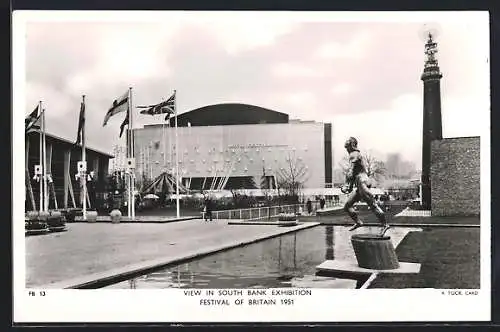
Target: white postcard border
point(172, 305)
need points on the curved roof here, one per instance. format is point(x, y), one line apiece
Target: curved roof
point(229, 114)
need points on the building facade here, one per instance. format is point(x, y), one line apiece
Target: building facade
point(118, 163)
point(236, 146)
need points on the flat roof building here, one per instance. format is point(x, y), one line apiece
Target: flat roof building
point(236, 146)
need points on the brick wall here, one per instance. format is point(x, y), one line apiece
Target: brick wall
point(455, 176)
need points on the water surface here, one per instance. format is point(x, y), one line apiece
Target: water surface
point(289, 260)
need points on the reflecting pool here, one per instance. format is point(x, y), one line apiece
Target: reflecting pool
point(289, 260)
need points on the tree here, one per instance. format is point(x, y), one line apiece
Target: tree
point(375, 168)
point(266, 190)
point(291, 178)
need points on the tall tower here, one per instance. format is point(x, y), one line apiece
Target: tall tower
point(432, 126)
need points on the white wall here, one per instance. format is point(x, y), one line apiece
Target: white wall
point(247, 148)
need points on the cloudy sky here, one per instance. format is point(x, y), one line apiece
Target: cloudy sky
point(360, 73)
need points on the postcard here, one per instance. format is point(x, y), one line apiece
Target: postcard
point(196, 166)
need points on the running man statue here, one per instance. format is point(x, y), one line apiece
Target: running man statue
point(357, 176)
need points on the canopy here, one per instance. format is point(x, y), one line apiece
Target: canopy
point(164, 184)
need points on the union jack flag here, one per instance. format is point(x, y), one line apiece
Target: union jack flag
point(167, 106)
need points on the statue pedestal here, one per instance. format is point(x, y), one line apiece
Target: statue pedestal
point(375, 255)
point(374, 252)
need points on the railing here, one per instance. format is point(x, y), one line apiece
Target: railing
point(255, 213)
point(265, 211)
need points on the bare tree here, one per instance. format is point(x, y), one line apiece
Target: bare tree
point(375, 168)
point(291, 178)
point(266, 190)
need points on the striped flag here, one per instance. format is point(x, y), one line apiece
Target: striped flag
point(81, 123)
point(33, 121)
point(124, 123)
point(119, 105)
point(167, 106)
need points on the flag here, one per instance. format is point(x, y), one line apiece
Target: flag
point(32, 121)
point(124, 123)
point(167, 106)
point(81, 123)
point(119, 105)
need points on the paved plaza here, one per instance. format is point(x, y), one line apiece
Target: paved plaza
point(87, 252)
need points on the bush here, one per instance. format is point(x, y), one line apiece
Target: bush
point(287, 217)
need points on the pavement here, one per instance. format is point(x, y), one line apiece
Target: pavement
point(141, 219)
point(91, 252)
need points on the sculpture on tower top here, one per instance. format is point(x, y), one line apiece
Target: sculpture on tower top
point(430, 51)
point(431, 67)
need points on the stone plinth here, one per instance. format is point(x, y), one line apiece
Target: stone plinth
point(91, 216)
point(43, 216)
point(374, 252)
point(350, 270)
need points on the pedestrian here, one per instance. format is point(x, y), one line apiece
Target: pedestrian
point(208, 209)
point(309, 206)
point(322, 203)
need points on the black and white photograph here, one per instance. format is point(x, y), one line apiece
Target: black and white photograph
point(247, 166)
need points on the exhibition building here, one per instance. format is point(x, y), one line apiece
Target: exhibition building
point(236, 146)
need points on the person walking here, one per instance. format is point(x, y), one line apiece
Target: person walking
point(309, 206)
point(322, 203)
point(208, 209)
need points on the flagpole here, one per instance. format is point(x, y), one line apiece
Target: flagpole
point(164, 144)
point(84, 159)
point(150, 161)
point(170, 152)
point(129, 154)
point(40, 110)
point(132, 147)
point(176, 156)
point(45, 190)
point(127, 177)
